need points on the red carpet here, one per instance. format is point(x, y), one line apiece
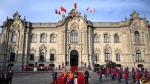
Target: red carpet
point(60, 79)
point(73, 68)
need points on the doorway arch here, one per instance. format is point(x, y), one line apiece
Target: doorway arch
point(12, 57)
point(74, 58)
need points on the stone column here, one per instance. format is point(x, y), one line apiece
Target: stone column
point(90, 45)
point(81, 56)
point(85, 41)
point(68, 47)
point(142, 38)
point(26, 45)
point(63, 42)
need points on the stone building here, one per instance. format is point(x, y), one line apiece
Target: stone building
point(74, 40)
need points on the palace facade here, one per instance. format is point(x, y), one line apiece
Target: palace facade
point(74, 40)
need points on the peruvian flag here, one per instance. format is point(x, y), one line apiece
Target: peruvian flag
point(59, 12)
point(63, 9)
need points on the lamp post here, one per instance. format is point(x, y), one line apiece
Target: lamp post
point(96, 58)
point(133, 60)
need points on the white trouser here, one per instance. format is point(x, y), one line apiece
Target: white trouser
point(75, 80)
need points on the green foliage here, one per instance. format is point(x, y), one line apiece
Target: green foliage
point(140, 65)
point(110, 64)
point(118, 65)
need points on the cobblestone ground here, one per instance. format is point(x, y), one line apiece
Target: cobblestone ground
point(45, 78)
point(32, 78)
point(94, 79)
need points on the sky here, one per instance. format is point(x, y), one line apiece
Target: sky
point(44, 10)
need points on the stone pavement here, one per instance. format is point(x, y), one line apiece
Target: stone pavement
point(45, 78)
point(32, 78)
point(94, 79)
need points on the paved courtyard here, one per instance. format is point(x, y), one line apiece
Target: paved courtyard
point(45, 78)
point(31, 78)
point(94, 79)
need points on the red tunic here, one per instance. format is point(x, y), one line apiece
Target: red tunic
point(138, 76)
point(126, 74)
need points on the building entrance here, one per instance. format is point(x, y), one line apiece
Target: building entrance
point(74, 58)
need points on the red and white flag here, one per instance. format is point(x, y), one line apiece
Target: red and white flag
point(63, 9)
point(57, 12)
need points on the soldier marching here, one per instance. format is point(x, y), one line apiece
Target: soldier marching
point(139, 75)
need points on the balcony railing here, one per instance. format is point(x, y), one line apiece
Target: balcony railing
point(139, 61)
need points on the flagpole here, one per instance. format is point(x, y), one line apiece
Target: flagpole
point(74, 1)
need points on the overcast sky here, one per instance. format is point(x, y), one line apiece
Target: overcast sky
point(43, 10)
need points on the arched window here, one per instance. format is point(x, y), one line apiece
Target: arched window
point(96, 57)
point(12, 57)
point(117, 56)
point(42, 55)
point(116, 38)
point(137, 36)
point(106, 38)
point(138, 56)
point(52, 55)
point(52, 38)
point(14, 37)
point(107, 55)
point(43, 38)
point(32, 57)
point(33, 38)
point(95, 38)
point(74, 36)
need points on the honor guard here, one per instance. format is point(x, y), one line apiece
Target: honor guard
point(138, 76)
point(133, 75)
point(126, 75)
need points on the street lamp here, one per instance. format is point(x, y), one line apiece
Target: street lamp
point(96, 58)
point(133, 59)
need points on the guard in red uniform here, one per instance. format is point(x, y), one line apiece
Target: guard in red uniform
point(114, 73)
point(119, 74)
point(107, 72)
point(133, 75)
point(146, 73)
point(126, 75)
point(100, 73)
point(138, 76)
